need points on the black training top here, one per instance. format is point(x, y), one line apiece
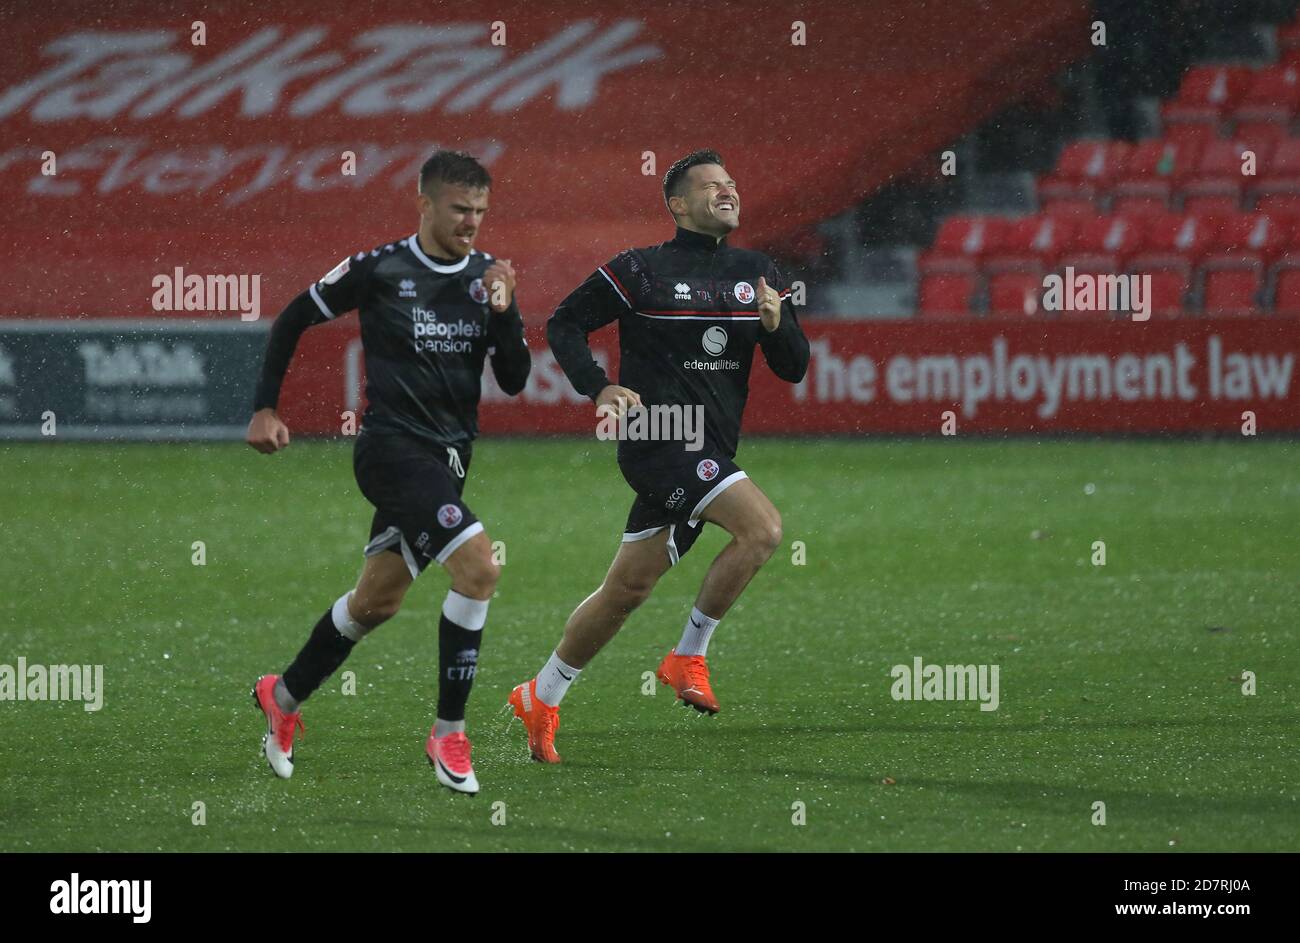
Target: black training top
point(688, 323)
point(426, 329)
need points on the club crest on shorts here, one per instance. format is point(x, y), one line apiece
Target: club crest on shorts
point(714, 340)
point(449, 515)
point(744, 292)
point(478, 291)
point(707, 470)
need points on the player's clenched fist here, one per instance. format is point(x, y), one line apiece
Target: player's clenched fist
point(769, 305)
point(500, 281)
point(266, 432)
point(616, 400)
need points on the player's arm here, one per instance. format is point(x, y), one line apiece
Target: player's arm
point(598, 301)
point(511, 361)
point(334, 294)
point(784, 345)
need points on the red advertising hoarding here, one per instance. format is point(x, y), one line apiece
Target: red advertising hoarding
point(904, 376)
point(248, 138)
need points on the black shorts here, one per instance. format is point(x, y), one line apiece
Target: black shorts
point(415, 488)
point(672, 487)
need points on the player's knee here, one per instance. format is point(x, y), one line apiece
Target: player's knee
point(763, 537)
point(629, 591)
point(375, 610)
point(775, 534)
point(478, 577)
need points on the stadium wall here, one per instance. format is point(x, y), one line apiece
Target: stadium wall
point(193, 379)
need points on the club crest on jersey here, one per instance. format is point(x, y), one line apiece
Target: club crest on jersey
point(337, 272)
point(478, 291)
point(707, 470)
point(744, 292)
point(714, 340)
point(449, 515)
point(406, 289)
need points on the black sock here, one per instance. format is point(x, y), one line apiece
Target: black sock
point(319, 658)
point(457, 663)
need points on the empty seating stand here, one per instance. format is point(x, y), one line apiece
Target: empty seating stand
point(1210, 210)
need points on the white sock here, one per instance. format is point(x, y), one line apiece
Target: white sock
point(465, 612)
point(344, 624)
point(695, 637)
point(443, 728)
point(554, 679)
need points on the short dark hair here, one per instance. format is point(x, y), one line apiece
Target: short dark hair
point(675, 179)
point(453, 167)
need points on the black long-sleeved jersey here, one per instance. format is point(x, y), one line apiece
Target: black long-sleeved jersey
point(426, 329)
point(688, 323)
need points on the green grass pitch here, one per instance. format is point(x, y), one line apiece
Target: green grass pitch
point(1118, 683)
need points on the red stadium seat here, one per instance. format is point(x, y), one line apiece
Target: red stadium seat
point(1029, 249)
point(1207, 95)
point(1069, 206)
point(961, 243)
point(948, 269)
point(1174, 238)
point(1225, 200)
point(1249, 238)
point(946, 295)
point(1031, 243)
point(1218, 184)
point(1233, 271)
point(1104, 243)
point(1100, 246)
point(1261, 132)
point(1170, 290)
point(1155, 169)
point(1232, 292)
point(1285, 273)
point(1280, 204)
point(1273, 98)
point(1188, 133)
point(1278, 187)
point(1172, 248)
point(1084, 171)
point(1140, 204)
point(1016, 294)
point(1286, 291)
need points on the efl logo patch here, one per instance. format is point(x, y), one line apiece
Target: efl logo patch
point(744, 292)
point(478, 291)
point(449, 515)
point(707, 470)
point(337, 272)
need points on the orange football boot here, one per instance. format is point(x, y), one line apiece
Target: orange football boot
point(540, 720)
point(688, 675)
